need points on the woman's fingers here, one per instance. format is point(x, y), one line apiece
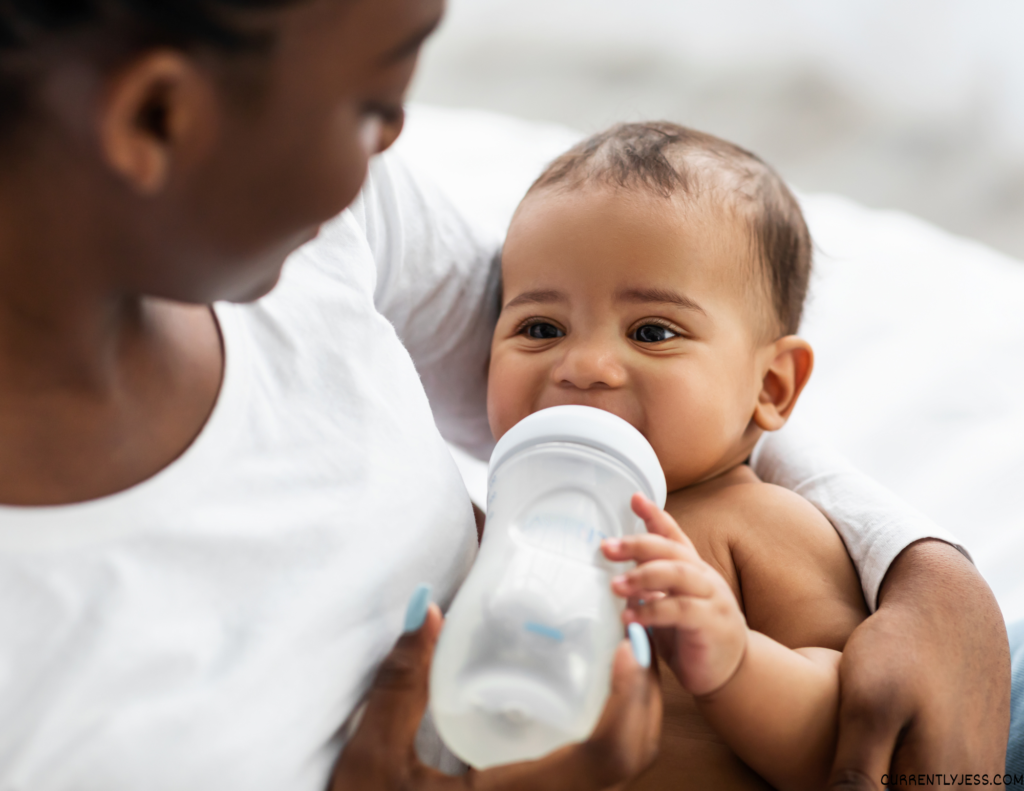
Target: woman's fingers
point(671, 577)
point(623, 743)
point(627, 733)
point(381, 749)
point(398, 697)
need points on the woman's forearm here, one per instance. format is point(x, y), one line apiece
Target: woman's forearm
point(779, 712)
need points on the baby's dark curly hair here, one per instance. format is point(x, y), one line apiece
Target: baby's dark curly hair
point(29, 26)
point(667, 159)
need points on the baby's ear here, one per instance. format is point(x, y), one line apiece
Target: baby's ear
point(790, 361)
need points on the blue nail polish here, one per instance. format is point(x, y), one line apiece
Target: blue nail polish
point(416, 612)
point(641, 645)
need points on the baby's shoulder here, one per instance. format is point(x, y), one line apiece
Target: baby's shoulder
point(743, 511)
point(795, 580)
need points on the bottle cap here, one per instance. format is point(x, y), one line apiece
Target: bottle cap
point(593, 428)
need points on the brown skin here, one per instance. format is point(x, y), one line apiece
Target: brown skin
point(111, 219)
point(381, 754)
point(575, 266)
point(935, 611)
point(587, 275)
point(137, 196)
point(593, 267)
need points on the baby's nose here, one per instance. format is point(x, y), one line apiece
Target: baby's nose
point(589, 365)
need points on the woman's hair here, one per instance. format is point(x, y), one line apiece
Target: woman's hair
point(27, 25)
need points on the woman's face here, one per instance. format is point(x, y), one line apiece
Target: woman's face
point(279, 145)
point(332, 97)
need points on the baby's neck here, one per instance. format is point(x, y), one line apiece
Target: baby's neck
point(738, 475)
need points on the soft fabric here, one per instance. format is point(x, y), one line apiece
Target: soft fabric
point(874, 524)
point(918, 334)
point(212, 627)
point(1015, 747)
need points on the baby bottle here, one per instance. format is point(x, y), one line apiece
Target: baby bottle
point(523, 664)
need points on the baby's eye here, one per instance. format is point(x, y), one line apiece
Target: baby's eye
point(652, 333)
point(543, 331)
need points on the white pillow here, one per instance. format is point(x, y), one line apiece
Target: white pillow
point(919, 338)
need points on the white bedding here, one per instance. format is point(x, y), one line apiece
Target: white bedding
point(919, 338)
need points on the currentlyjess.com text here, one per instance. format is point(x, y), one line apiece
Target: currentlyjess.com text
point(942, 779)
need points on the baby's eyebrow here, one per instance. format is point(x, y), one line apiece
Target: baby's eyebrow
point(658, 295)
point(538, 297)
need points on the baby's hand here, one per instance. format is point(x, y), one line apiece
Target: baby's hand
point(699, 627)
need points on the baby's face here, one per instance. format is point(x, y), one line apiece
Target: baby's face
point(637, 305)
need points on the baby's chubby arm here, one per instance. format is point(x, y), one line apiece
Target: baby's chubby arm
point(776, 707)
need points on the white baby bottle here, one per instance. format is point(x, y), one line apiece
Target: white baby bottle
point(523, 664)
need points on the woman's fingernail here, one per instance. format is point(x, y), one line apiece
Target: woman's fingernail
point(416, 612)
point(613, 544)
point(641, 645)
point(619, 581)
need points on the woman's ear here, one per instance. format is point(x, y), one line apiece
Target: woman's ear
point(790, 361)
point(159, 112)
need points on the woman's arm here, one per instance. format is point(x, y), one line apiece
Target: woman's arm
point(925, 680)
point(930, 669)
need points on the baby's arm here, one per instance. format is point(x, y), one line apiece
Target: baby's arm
point(775, 707)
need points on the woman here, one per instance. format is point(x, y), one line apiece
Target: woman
point(213, 517)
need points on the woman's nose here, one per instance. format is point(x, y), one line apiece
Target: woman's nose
point(590, 365)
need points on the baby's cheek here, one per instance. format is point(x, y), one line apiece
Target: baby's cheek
point(508, 396)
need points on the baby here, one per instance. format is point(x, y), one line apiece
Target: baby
point(659, 273)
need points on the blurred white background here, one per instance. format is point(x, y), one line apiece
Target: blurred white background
point(911, 104)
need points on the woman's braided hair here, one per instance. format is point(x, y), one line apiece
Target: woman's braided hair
point(25, 24)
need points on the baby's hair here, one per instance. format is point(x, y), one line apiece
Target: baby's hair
point(666, 159)
point(134, 24)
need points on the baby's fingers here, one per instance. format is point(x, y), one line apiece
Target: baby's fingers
point(675, 612)
point(658, 521)
point(647, 547)
point(675, 578)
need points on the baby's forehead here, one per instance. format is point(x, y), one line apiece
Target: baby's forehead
point(706, 228)
point(634, 236)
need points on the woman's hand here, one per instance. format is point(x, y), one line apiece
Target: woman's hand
point(925, 681)
point(380, 755)
point(698, 624)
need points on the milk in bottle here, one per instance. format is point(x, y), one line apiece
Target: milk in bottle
point(523, 663)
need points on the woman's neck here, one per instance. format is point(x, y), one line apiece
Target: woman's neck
point(99, 390)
